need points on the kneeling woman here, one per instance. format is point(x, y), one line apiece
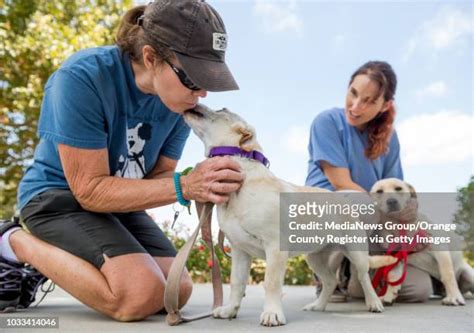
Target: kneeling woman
point(353, 147)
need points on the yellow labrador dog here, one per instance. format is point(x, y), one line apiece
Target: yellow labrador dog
point(250, 220)
point(439, 261)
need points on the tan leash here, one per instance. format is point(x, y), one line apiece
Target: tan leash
point(174, 316)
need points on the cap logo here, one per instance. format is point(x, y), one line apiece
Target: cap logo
point(219, 41)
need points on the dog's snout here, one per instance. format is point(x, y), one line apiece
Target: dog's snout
point(196, 112)
point(392, 201)
point(393, 204)
point(200, 108)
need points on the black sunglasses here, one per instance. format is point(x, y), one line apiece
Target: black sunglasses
point(185, 80)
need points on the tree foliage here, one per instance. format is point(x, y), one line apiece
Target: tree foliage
point(35, 38)
point(464, 218)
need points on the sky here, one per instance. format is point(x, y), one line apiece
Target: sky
point(293, 60)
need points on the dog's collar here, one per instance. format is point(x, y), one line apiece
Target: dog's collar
point(236, 151)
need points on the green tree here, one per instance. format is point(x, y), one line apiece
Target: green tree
point(35, 38)
point(464, 218)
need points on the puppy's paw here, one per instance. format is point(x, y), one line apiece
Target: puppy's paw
point(225, 312)
point(390, 296)
point(315, 306)
point(389, 299)
point(272, 318)
point(456, 299)
point(375, 305)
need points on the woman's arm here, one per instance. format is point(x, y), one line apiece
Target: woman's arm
point(164, 168)
point(340, 178)
point(88, 175)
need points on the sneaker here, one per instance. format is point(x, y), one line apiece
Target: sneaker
point(10, 276)
point(32, 280)
point(10, 285)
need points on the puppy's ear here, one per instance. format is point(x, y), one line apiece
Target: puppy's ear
point(412, 191)
point(246, 135)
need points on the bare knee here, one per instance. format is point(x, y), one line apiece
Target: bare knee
point(135, 308)
point(138, 302)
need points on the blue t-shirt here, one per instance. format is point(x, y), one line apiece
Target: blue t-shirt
point(333, 140)
point(92, 102)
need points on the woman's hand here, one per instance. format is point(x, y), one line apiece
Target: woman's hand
point(212, 180)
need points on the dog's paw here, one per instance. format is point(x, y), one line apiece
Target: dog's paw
point(375, 305)
point(225, 312)
point(456, 299)
point(315, 306)
point(272, 318)
point(389, 297)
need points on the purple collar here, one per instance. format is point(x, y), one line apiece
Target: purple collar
point(236, 151)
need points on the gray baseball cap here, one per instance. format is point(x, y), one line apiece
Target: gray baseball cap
point(195, 32)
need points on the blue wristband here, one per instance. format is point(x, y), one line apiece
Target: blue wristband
point(179, 191)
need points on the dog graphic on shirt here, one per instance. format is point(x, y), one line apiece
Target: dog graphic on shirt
point(133, 165)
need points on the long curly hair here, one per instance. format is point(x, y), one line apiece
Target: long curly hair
point(380, 128)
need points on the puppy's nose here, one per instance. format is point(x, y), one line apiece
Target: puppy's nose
point(392, 203)
point(199, 108)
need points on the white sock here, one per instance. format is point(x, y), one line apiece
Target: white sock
point(6, 250)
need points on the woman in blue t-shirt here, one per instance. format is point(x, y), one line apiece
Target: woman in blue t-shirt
point(351, 148)
point(111, 134)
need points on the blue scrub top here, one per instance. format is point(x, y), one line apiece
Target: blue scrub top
point(333, 140)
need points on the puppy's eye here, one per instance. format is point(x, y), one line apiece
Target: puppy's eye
point(398, 188)
point(379, 191)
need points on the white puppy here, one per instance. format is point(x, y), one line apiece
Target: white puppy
point(250, 220)
point(439, 261)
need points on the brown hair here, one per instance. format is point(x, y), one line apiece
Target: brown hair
point(381, 127)
point(131, 38)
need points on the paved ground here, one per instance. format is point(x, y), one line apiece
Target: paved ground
point(431, 316)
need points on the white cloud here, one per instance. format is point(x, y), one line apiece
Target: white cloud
point(434, 89)
point(295, 140)
point(441, 138)
point(279, 16)
point(449, 28)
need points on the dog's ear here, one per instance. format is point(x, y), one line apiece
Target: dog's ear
point(246, 135)
point(144, 131)
point(412, 191)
